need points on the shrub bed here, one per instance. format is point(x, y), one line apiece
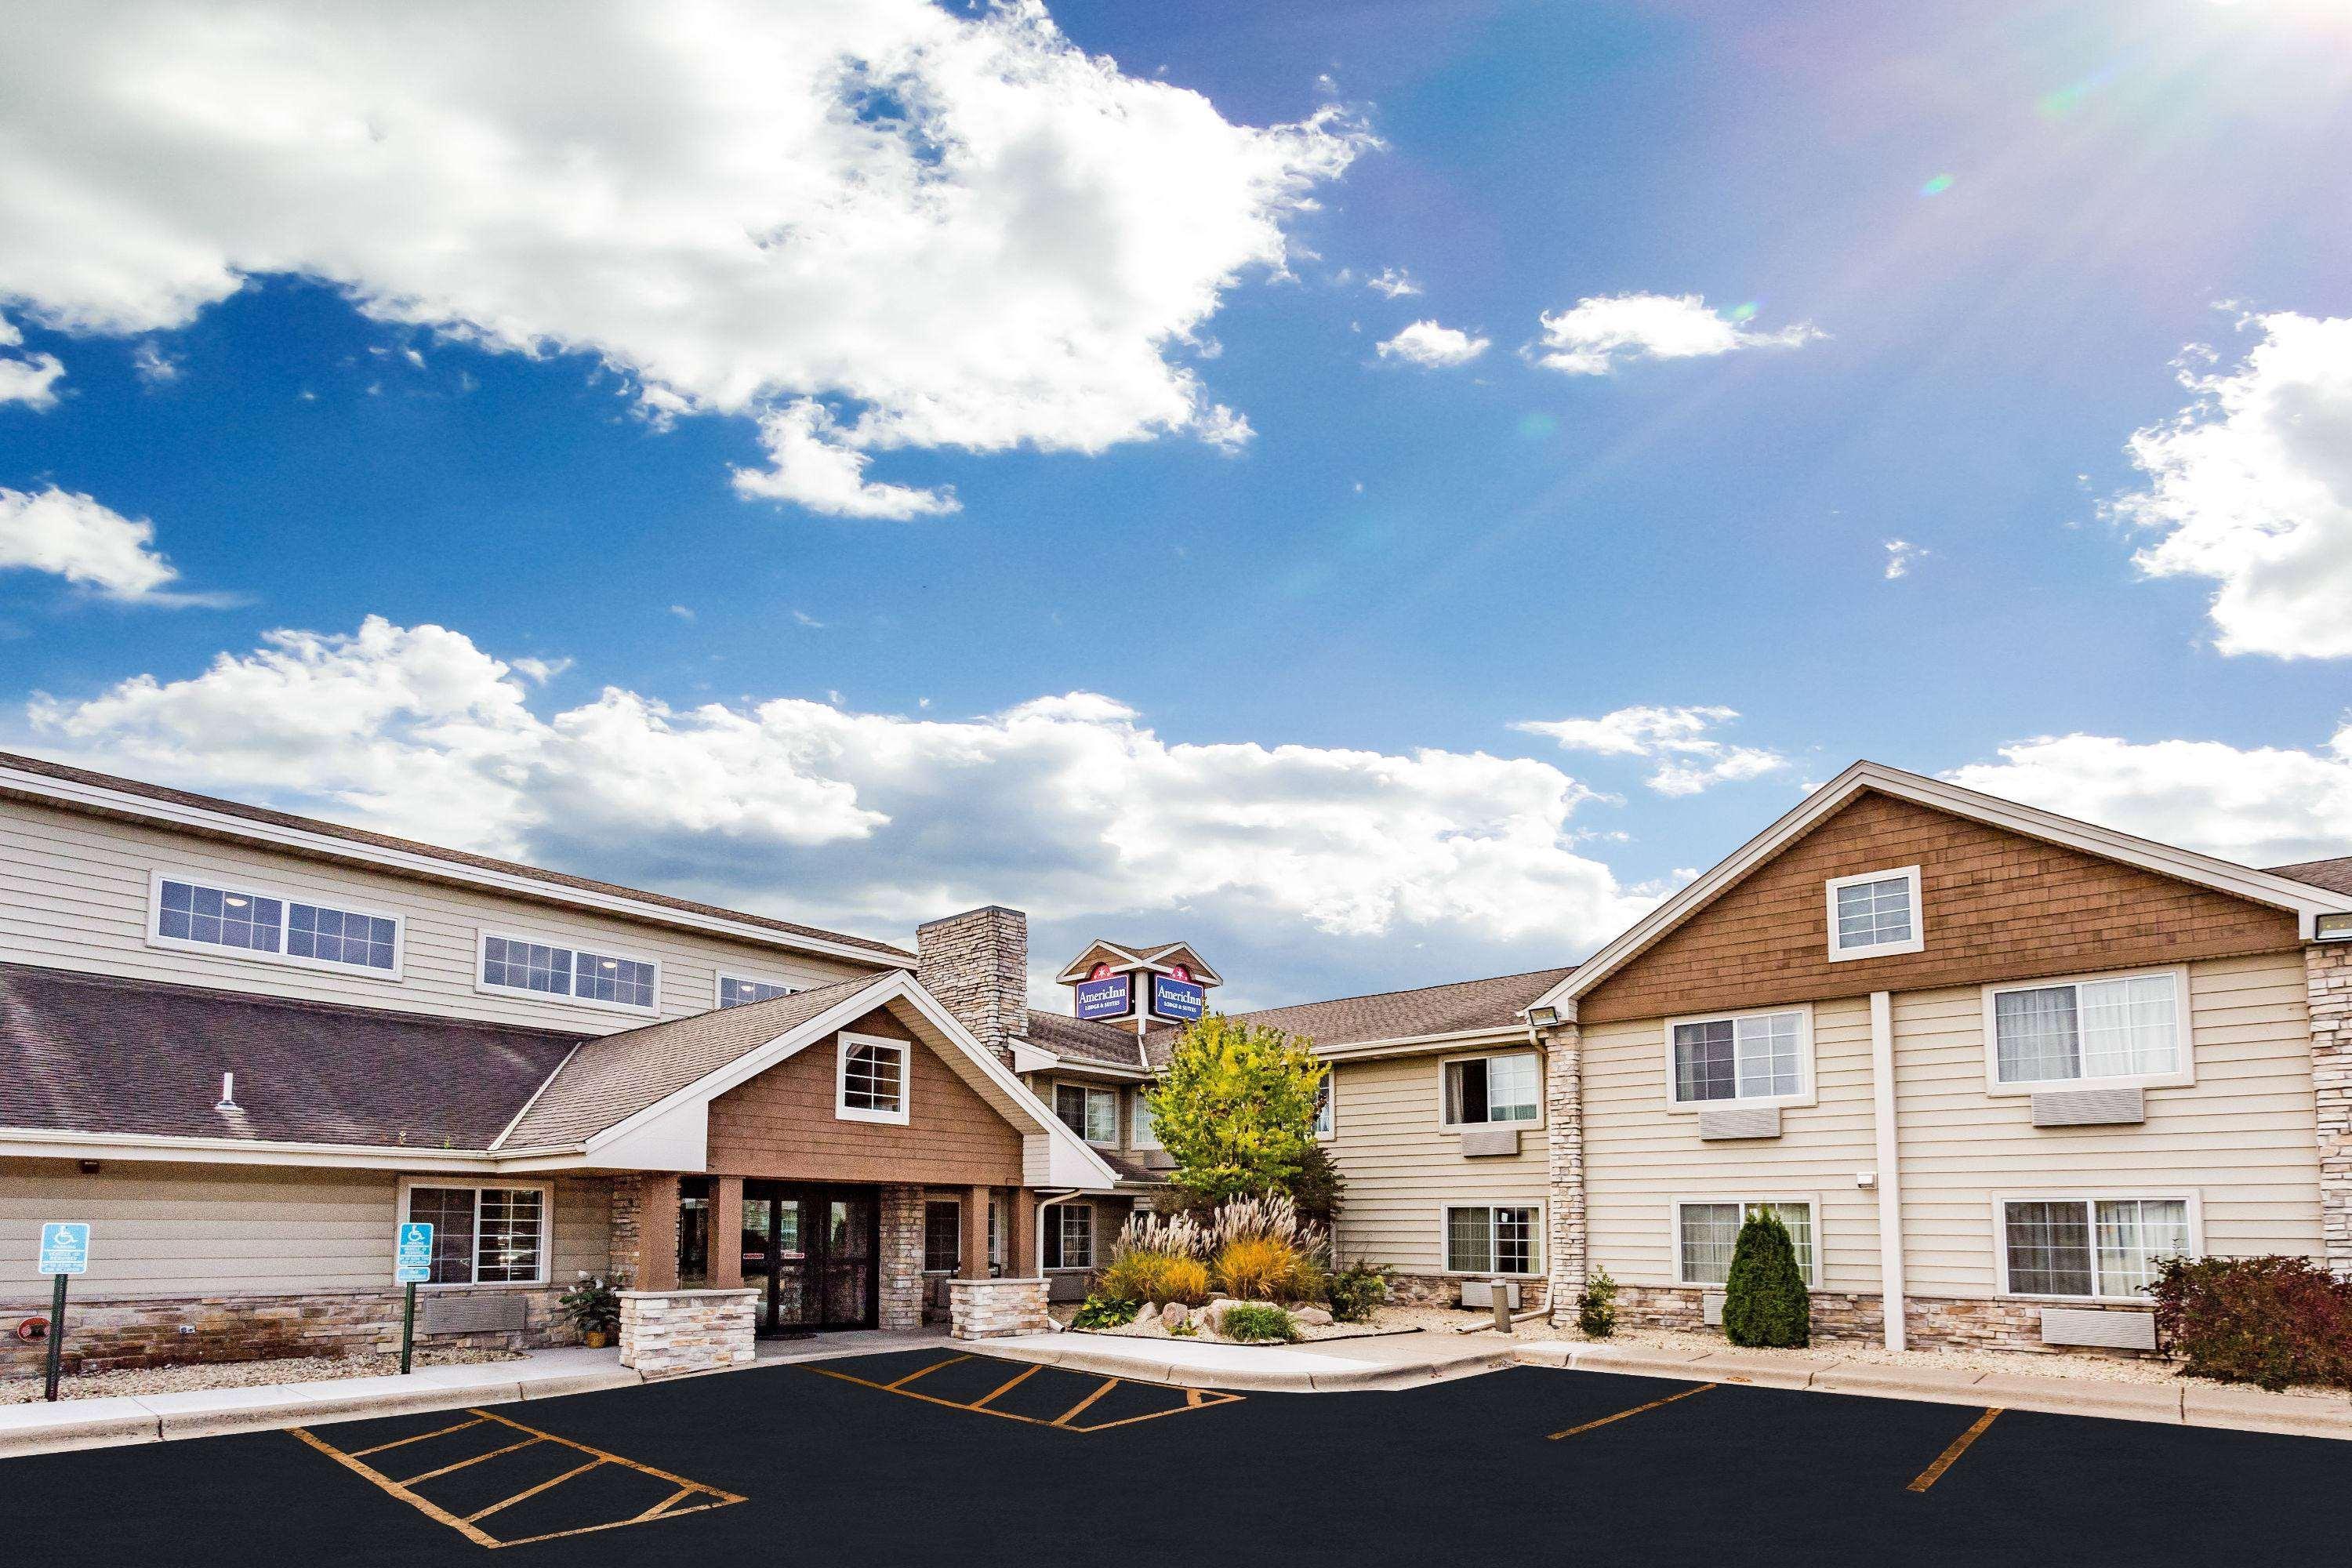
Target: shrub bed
point(2272, 1321)
point(1252, 1324)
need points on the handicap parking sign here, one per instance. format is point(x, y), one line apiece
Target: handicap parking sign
point(415, 1266)
point(65, 1247)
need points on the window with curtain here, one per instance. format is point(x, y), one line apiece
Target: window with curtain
point(484, 1236)
point(1147, 1129)
point(1707, 1234)
point(1326, 1095)
point(2091, 1246)
point(1480, 1089)
point(1754, 1057)
point(2127, 1027)
point(1497, 1240)
point(1087, 1110)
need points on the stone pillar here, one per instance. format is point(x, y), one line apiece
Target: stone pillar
point(656, 1232)
point(993, 1308)
point(976, 964)
point(902, 1258)
point(2327, 980)
point(668, 1333)
point(1021, 1237)
point(726, 1233)
point(975, 1265)
point(624, 1238)
point(1564, 1143)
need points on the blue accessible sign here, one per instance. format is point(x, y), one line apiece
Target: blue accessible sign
point(1173, 998)
point(415, 1263)
point(65, 1247)
point(1103, 996)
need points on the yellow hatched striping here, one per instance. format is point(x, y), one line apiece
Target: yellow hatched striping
point(1194, 1398)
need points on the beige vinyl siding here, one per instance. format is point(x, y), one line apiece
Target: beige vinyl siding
point(1640, 1159)
point(163, 1229)
point(78, 893)
point(1402, 1173)
point(2242, 1137)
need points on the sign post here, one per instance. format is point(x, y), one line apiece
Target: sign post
point(65, 1252)
point(413, 1268)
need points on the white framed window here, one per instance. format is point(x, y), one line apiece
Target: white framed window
point(1743, 1058)
point(204, 912)
point(1875, 914)
point(1706, 1232)
point(1089, 1110)
point(483, 1232)
point(2095, 1031)
point(1506, 1087)
point(735, 990)
point(2092, 1247)
point(1327, 1104)
point(1070, 1238)
point(1500, 1238)
point(1144, 1130)
point(526, 963)
point(871, 1083)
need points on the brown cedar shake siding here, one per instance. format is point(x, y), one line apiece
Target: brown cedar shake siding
point(1998, 906)
point(781, 1123)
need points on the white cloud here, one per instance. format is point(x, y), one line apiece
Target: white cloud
point(89, 545)
point(1600, 334)
point(1900, 554)
point(2252, 486)
point(1393, 281)
point(1068, 806)
point(808, 464)
point(1427, 343)
point(1681, 741)
point(2261, 805)
point(960, 229)
point(153, 365)
point(27, 378)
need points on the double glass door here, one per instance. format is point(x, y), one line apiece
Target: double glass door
point(811, 1252)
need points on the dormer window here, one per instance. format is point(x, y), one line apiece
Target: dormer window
point(1875, 914)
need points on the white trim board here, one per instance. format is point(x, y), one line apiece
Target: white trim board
point(2305, 901)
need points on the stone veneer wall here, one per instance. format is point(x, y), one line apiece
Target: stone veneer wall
point(991, 1308)
point(977, 965)
point(2327, 980)
point(902, 1258)
point(627, 1229)
point(109, 1334)
point(1930, 1322)
point(1445, 1290)
point(1564, 1144)
point(669, 1334)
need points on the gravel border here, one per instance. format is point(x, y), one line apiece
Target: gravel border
point(194, 1375)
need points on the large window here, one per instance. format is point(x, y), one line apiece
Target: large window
point(1089, 1112)
point(277, 927)
point(547, 969)
point(1706, 1234)
point(1070, 1238)
point(942, 1237)
point(2090, 1246)
point(1755, 1057)
point(734, 990)
point(2127, 1027)
point(873, 1080)
point(1480, 1089)
point(1501, 1240)
point(1146, 1129)
point(1875, 914)
point(484, 1236)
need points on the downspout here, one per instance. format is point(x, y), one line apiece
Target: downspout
point(1889, 1176)
point(1037, 1241)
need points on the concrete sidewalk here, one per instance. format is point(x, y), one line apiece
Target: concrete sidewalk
point(46, 1428)
point(1382, 1360)
point(2181, 1402)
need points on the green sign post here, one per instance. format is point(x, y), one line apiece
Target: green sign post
point(65, 1252)
point(413, 1267)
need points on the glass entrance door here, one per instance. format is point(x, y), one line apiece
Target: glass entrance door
point(811, 1253)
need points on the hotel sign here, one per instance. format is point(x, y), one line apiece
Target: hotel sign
point(1103, 994)
point(1178, 995)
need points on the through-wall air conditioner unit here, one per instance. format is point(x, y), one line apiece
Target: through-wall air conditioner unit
point(1480, 1293)
point(1710, 1309)
point(2088, 1326)
point(1752, 1122)
point(2089, 1107)
point(1495, 1138)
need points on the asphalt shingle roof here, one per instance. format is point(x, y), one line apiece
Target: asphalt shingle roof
point(103, 1054)
point(455, 856)
point(612, 1077)
point(1446, 1009)
point(2336, 875)
point(1085, 1038)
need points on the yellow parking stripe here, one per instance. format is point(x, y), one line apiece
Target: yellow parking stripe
point(1064, 1419)
point(404, 1442)
point(534, 1491)
point(1194, 1398)
point(1935, 1472)
point(1638, 1409)
point(425, 1505)
point(1007, 1387)
point(511, 1448)
point(923, 1372)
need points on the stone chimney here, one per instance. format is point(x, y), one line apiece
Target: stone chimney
point(977, 965)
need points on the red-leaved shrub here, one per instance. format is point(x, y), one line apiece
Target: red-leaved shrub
point(2272, 1321)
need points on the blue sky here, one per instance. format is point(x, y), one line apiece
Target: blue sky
point(1951, 264)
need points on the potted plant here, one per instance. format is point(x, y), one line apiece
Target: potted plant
point(594, 1308)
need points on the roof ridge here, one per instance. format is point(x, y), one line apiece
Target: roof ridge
point(1411, 990)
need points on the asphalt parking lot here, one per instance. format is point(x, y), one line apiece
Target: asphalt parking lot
point(900, 1458)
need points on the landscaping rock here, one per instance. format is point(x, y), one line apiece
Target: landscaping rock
point(1311, 1317)
point(1172, 1315)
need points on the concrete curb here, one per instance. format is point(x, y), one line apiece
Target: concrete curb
point(1337, 1375)
point(2180, 1404)
point(94, 1424)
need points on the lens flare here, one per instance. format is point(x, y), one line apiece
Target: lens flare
point(1936, 186)
point(1537, 426)
point(1747, 312)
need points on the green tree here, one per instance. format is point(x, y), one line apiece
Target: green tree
point(1235, 1109)
point(1764, 1299)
